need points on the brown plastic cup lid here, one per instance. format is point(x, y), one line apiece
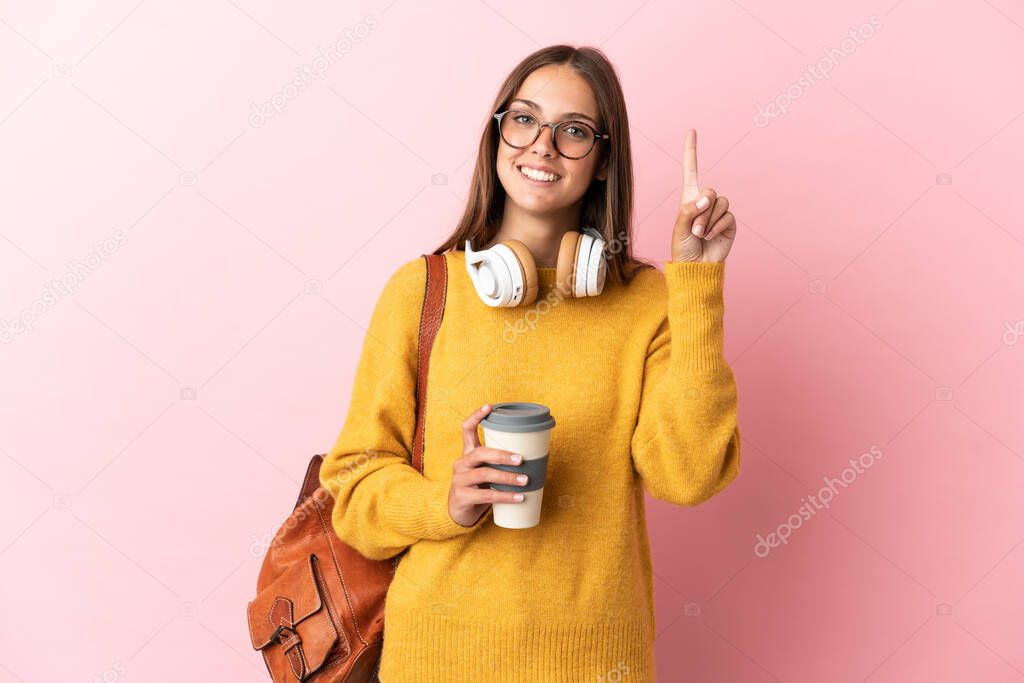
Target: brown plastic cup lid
point(518, 417)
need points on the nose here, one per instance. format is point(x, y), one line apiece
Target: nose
point(544, 144)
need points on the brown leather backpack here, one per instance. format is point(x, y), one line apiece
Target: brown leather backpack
point(318, 614)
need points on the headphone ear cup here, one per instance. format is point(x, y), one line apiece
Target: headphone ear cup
point(528, 269)
point(565, 269)
point(597, 267)
point(581, 264)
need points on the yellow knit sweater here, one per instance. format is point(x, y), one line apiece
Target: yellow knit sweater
point(643, 398)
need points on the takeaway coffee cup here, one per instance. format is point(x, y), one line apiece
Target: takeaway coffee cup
point(523, 428)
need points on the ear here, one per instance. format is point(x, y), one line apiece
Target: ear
point(602, 169)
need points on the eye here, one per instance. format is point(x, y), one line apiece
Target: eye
point(523, 118)
point(576, 131)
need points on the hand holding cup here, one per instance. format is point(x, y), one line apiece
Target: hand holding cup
point(470, 495)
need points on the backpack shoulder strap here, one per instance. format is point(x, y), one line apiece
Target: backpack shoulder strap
point(430, 322)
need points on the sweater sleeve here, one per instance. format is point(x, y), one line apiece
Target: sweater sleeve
point(382, 503)
point(686, 442)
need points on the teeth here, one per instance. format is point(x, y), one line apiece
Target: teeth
point(538, 175)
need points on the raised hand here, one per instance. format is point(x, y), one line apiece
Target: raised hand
point(705, 228)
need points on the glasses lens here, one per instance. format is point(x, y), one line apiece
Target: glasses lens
point(574, 139)
point(519, 128)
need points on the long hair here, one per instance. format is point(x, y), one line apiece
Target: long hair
point(607, 205)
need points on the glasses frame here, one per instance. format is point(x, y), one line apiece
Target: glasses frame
point(552, 125)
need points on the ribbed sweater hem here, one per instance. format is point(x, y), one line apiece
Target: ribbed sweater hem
point(429, 647)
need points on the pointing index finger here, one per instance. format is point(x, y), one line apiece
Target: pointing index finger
point(691, 185)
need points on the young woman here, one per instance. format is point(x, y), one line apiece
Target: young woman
point(632, 370)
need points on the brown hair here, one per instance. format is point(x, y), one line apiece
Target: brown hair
point(607, 205)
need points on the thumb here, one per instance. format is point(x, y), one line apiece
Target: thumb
point(470, 437)
point(689, 211)
point(685, 245)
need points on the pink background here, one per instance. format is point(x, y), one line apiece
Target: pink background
point(875, 298)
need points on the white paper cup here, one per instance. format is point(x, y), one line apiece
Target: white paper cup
point(523, 428)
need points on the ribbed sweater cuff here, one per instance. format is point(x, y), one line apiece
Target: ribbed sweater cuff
point(422, 511)
point(696, 311)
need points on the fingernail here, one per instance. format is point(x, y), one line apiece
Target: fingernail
point(485, 406)
point(516, 459)
point(698, 230)
point(702, 202)
point(518, 497)
point(521, 478)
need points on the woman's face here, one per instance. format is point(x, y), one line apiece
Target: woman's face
point(551, 93)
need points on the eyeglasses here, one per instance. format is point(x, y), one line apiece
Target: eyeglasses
point(571, 139)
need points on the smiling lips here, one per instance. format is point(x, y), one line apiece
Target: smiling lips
point(537, 175)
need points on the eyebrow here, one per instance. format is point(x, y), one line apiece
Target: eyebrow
point(566, 115)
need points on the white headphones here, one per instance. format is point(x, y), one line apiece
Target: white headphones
point(506, 275)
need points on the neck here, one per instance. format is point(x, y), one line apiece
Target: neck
point(541, 233)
